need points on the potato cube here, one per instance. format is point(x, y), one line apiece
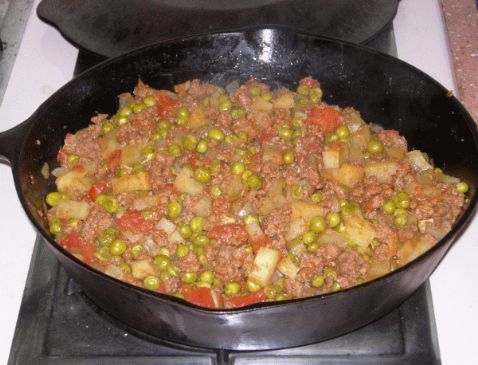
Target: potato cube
point(285, 101)
point(124, 184)
point(334, 155)
point(358, 231)
point(288, 268)
point(383, 172)
point(142, 268)
point(265, 264)
point(68, 209)
point(186, 183)
point(132, 154)
point(350, 175)
point(74, 181)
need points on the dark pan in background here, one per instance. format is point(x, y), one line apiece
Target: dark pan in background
point(386, 90)
point(112, 27)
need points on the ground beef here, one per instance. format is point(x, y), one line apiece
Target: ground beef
point(98, 220)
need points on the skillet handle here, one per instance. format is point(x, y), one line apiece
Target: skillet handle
point(10, 142)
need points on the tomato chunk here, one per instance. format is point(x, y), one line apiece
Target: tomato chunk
point(134, 222)
point(251, 298)
point(97, 189)
point(73, 244)
point(201, 296)
point(166, 104)
point(114, 161)
point(327, 119)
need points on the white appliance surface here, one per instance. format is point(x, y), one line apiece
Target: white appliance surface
point(45, 62)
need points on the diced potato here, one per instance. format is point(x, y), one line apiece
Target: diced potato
point(260, 104)
point(353, 119)
point(146, 202)
point(274, 198)
point(132, 154)
point(170, 229)
point(254, 230)
point(411, 249)
point(197, 119)
point(296, 228)
point(360, 138)
point(285, 101)
point(74, 181)
point(418, 160)
point(234, 189)
point(334, 155)
point(265, 264)
point(68, 209)
point(358, 231)
point(377, 269)
point(331, 236)
point(272, 153)
point(305, 210)
point(288, 268)
point(428, 190)
point(108, 145)
point(383, 172)
point(394, 152)
point(142, 268)
point(202, 207)
point(124, 184)
point(350, 175)
point(186, 183)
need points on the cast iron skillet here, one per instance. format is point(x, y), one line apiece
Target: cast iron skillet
point(386, 91)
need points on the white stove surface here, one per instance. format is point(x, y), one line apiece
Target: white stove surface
point(45, 62)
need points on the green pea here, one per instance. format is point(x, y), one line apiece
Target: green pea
point(342, 132)
point(72, 159)
point(149, 153)
point(73, 223)
point(388, 207)
point(121, 120)
point(123, 171)
point(270, 292)
point(232, 289)
point(162, 262)
point(202, 175)
point(309, 237)
point(164, 251)
point(375, 146)
point(174, 149)
point(317, 224)
point(201, 240)
point(189, 277)
point(251, 218)
point(330, 138)
point(174, 209)
point(237, 113)
point(107, 236)
point(147, 214)
point(157, 136)
point(182, 250)
point(202, 146)
point(136, 251)
point(164, 124)
point(294, 259)
point(243, 136)
point(332, 219)
point(125, 111)
point(335, 286)
point(149, 100)
point(303, 89)
point(317, 281)
point(461, 187)
point(225, 103)
point(108, 203)
point(267, 96)
point(55, 226)
point(198, 249)
point(231, 139)
point(330, 273)
point(315, 95)
point(215, 191)
point(288, 157)
point(282, 296)
point(402, 200)
point(165, 275)
point(313, 247)
point(316, 197)
point(190, 142)
point(297, 191)
point(196, 224)
point(254, 182)
point(173, 270)
point(207, 277)
point(285, 133)
point(297, 122)
point(248, 249)
point(237, 168)
point(350, 208)
point(53, 198)
point(215, 166)
point(400, 220)
point(103, 253)
point(343, 202)
point(294, 243)
point(252, 286)
point(255, 90)
point(118, 247)
point(139, 107)
point(151, 282)
point(185, 230)
point(182, 113)
point(107, 127)
point(216, 133)
point(125, 267)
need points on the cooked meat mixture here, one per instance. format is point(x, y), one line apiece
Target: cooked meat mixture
point(232, 196)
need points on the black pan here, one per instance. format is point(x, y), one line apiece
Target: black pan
point(387, 91)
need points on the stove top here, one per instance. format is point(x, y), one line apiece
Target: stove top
point(59, 325)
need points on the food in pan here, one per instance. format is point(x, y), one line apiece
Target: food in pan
point(232, 196)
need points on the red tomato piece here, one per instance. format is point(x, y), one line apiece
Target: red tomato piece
point(166, 104)
point(114, 161)
point(201, 296)
point(261, 241)
point(266, 134)
point(61, 157)
point(134, 222)
point(310, 82)
point(73, 244)
point(97, 189)
point(229, 232)
point(251, 298)
point(327, 119)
